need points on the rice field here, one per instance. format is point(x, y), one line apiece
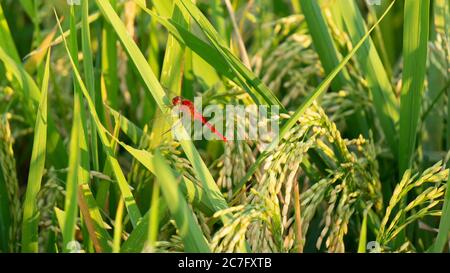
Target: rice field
point(93, 158)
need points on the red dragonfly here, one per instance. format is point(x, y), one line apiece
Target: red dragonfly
point(185, 103)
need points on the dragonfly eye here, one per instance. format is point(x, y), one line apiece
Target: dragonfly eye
point(176, 100)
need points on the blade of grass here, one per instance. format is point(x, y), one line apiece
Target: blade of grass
point(165, 8)
point(91, 240)
point(171, 74)
point(6, 40)
point(379, 40)
point(31, 95)
point(96, 226)
point(30, 218)
point(389, 29)
point(415, 46)
point(130, 203)
point(153, 223)
point(138, 237)
point(109, 62)
point(90, 79)
point(70, 204)
point(252, 84)
point(29, 7)
point(136, 56)
point(154, 49)
point(128, 128)
point(188, 229)
point(384, 100)
point(323, 42)
point(363, 235)
point(217, 14)
point(84, 160)
point(329, 57)
point(118, 227)
point(442, 19)
point(104, 189)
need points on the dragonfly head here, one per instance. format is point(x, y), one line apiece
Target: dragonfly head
point(176, 100)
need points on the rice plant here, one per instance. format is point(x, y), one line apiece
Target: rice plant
point(92, 158)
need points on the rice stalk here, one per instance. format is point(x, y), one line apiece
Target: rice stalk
point(11, 185)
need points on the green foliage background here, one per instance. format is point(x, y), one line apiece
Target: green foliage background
point(363, 91)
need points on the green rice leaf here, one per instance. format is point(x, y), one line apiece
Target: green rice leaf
point(70, 204)
point(30, 95)
point(90, 77)
point(379, 84)
point(363, 235)
point(195, 194)
point(171, 74)
point(415, 46)
point(138, 237)
point(252, 84)
point(30, 218)
point(323, 42)
point(6, 40)
point(188, 229)
point(110, 63)
point(130, 203)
